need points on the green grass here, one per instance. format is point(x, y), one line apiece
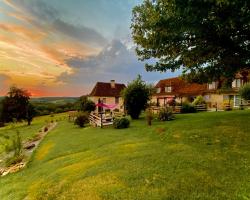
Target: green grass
point(26, 132)
point(196, 156)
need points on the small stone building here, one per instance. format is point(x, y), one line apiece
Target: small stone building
point(108, 93)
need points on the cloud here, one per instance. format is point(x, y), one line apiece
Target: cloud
point(33, 11)
point(80, 33)
point(22, 31)
point(4, 84)
point(116, 61)
point(50, 47)
point(39, 41)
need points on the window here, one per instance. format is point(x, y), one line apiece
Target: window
point(168, 89)
point(207, 97)
point(212, 86)
point(237, 100)
point(116, 100)
point(236, 83)
point(158, 90)
point(104, 100)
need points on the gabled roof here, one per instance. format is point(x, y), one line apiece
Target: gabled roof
point(102, 89)
point(180, 87)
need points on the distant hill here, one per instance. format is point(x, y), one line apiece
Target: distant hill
point(55, 100)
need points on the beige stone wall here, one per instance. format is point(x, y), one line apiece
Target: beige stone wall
point(213, 99)
point(109, 100)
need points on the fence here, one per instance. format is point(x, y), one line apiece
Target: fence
point(100, 120)
point(201, 107)
point(177, 109)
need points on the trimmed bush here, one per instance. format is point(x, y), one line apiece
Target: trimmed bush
point(82, 119)
point(188, 108)
point(120, 123)
point(198, 101)
point(166, 114)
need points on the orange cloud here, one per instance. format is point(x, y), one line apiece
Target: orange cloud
point(23, 31)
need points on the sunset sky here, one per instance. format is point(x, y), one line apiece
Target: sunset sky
point(62, 47)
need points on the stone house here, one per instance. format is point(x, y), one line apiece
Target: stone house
point(213, 93)
point(108, 93)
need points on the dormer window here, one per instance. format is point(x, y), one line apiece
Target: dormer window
point(212, 86)
point(237, 83)
point(168, 89)
point(158, 90)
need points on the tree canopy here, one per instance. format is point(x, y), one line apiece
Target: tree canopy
point(208, 39)
point(15, 104)
point(86, 105)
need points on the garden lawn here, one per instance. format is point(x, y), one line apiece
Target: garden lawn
point(197, 156)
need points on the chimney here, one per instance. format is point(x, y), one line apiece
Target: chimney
point(112, 83)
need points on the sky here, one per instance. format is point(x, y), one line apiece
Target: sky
point(63, 47)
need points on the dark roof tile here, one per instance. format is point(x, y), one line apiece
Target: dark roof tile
point(105, 90)
point(180, 87)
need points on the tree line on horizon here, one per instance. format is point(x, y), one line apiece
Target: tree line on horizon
point(17, 106)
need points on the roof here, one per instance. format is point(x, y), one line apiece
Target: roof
point(180, 87)
point(102, 89)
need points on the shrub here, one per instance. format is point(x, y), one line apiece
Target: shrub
point(17, 148)
point(82, 119)
point(149, 116)
point(198, 101)
point(120, 123)
point(165, 114)
point(188, 108)
point(14, 160)
point(245, 91)
point(1, 124)
point(86, 105)
point(17, 144)
point(172, 102)
point(59, 110)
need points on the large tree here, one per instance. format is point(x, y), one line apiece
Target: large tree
point(208, 39)
point(136, 97)
point(15, 105)
point(86, 105)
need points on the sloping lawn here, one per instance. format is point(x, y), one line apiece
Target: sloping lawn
point(196, 156)
point(26, 132)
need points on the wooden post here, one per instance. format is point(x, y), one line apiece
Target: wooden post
point(101, 119)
